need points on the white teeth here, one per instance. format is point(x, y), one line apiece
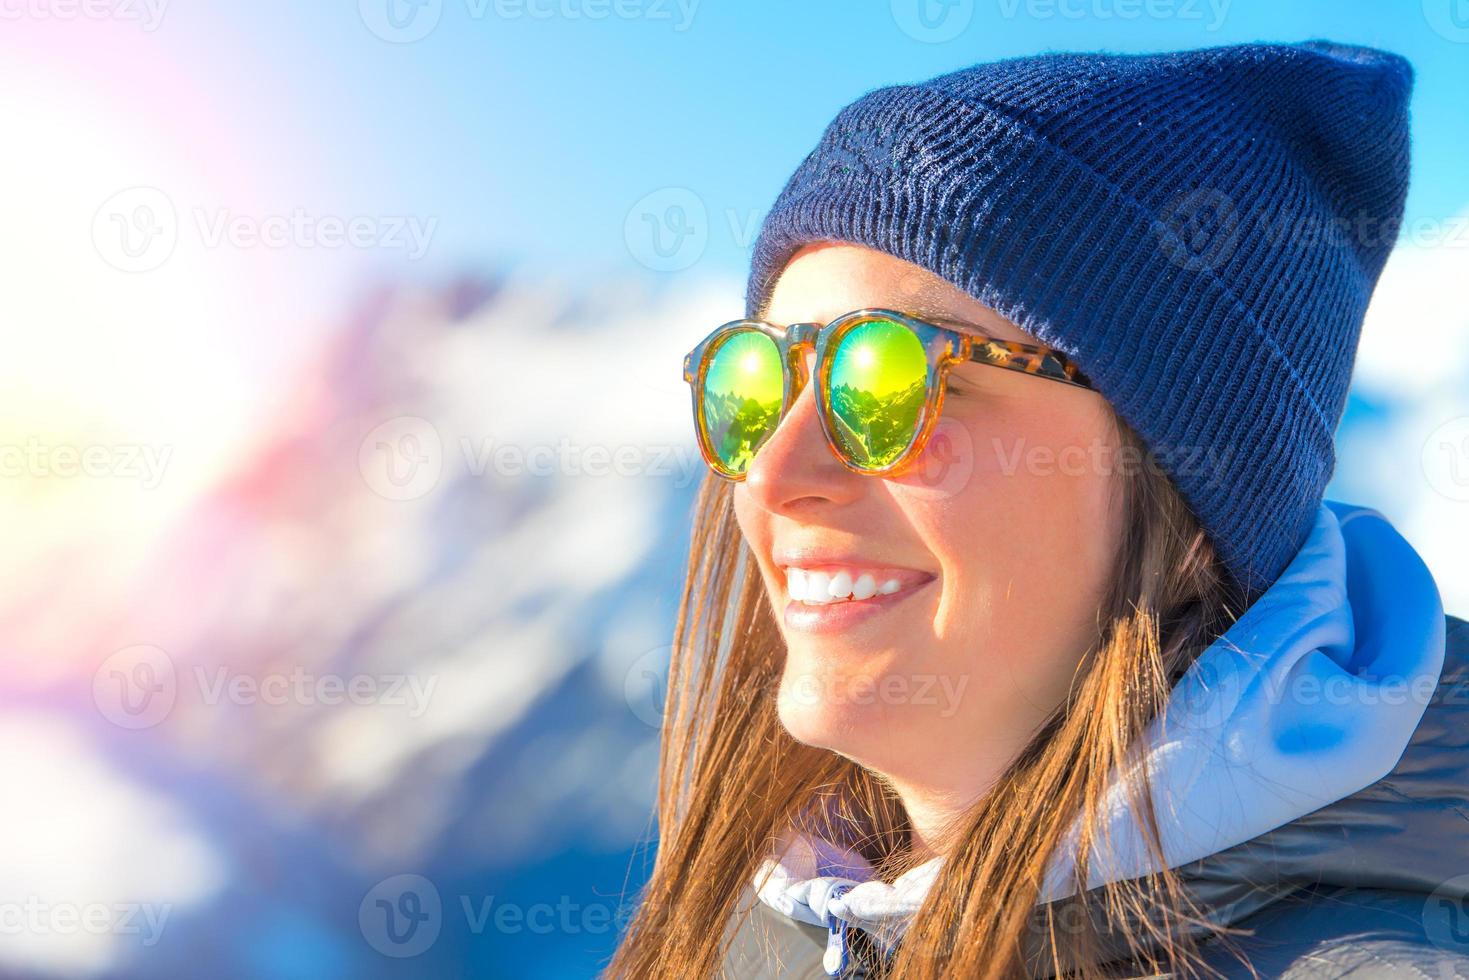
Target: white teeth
point(820, 588)
point(796, 583)
point(841, 585)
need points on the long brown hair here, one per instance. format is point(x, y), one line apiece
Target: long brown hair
point(732, 779)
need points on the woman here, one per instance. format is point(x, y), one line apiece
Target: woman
point(1018, 638)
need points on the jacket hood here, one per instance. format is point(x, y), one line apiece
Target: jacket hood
point(1305, 745)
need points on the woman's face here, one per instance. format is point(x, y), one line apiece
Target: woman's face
point(1000, 542)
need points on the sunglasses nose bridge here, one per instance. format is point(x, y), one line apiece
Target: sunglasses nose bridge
point(800, 338)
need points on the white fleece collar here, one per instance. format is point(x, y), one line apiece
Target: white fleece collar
point(1312, 695)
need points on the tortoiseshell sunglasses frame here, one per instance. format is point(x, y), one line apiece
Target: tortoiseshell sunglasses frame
point(944, 345)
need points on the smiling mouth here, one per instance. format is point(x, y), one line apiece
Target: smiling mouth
point(837, 601)
point(833, 584)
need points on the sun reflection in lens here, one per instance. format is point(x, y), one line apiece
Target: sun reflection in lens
point(877, 391)
point(742, 395)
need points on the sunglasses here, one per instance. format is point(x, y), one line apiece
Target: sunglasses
point(880, 382)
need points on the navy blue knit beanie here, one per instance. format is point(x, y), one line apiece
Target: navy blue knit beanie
point(1199, 230)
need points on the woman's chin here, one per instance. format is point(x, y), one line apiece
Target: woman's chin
point(844, 713)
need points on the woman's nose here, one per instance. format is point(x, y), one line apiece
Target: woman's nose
point(795, 470)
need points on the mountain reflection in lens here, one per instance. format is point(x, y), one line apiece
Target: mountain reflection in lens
point(742, 392)
point(878, 386)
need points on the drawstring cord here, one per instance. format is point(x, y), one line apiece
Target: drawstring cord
point(838, 956)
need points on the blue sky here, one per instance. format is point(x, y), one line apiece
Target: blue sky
point(530, 135)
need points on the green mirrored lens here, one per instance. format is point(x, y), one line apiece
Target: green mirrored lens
point(878, 383)
point(742, 392)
